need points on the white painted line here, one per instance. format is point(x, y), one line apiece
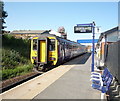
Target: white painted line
point(30, 89)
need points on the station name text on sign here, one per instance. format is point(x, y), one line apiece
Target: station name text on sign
point(82, 29)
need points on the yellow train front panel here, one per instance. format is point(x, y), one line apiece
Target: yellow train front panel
point(44, 50)
point(33, 54)
point(53, 50)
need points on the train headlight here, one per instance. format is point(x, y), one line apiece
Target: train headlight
point(53, 59)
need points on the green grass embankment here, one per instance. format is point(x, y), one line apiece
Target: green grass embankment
point(15, 57)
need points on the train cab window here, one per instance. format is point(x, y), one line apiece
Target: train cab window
point(35, 44)
point(52, 45)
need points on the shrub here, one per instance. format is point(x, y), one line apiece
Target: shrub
point(10, 73)
point(15, 57)
point(11, 59)
point(19, 45)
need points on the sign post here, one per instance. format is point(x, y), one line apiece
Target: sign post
point(93, 46)
point(87, 28)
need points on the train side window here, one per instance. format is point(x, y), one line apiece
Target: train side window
point(35, 44)
point(52, 45)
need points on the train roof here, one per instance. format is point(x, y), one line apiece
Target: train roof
point(57, 37)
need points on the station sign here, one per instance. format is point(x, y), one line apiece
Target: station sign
point(87, 41)
point(82, 29)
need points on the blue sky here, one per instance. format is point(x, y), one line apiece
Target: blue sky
point(51, 15)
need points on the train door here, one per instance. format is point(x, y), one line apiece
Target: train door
point(62, 51)
point(42, 50)
point(64, 55)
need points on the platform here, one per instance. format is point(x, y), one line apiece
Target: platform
point(75, 84)
point(68, 81)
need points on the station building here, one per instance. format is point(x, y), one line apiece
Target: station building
point(105, 38)
point(108, 51)
point(26, 34)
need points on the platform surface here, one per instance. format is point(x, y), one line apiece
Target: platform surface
point(68, 81)
point(74, 84)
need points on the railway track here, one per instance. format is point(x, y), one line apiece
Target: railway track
point(13, 82)
point(10, 83)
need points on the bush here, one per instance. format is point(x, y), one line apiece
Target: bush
point(10, 73)
point(19, 45)
point(11, 59)
point(15, 57)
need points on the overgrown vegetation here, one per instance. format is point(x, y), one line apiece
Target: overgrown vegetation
point(15, 57)
point(11, 59)
point(19, 45)
point(20, 70)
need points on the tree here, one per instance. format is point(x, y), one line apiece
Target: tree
point(3, 15)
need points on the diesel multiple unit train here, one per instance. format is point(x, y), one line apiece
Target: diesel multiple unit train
point(50, 50)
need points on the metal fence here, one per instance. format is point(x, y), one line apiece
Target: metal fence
point(112, 58)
